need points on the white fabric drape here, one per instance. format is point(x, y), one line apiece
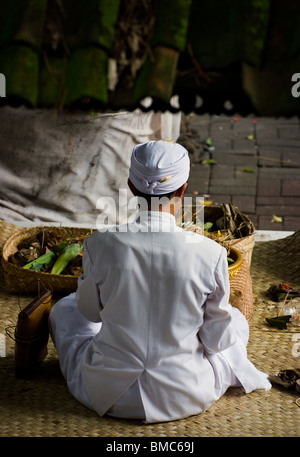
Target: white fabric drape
point(57, 166)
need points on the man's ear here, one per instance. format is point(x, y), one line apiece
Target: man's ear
point(131, 187)
point(180, 192)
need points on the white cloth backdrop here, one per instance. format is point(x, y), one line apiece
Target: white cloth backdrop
point(55, 166)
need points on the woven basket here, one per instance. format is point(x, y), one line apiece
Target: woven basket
point(241, 291)
point(245, 246)
point(28, 281)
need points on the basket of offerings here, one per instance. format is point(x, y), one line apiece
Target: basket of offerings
point(43, 256)
point(225, 224)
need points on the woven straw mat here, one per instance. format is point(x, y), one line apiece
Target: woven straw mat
point(43, 406)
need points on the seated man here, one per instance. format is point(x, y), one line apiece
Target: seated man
point(150, 333)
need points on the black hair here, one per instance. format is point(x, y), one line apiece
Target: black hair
point(149, 196)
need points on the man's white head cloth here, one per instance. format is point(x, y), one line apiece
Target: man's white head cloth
point(159, 167)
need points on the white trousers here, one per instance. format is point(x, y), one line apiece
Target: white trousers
point(71, 332)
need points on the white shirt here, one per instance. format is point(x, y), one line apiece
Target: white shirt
point(162, 295)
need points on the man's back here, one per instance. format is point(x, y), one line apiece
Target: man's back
point(153, 285)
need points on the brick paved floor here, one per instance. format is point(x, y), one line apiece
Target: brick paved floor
point(256, 165)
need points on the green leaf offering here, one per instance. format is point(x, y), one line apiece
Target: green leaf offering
point(208, 225)
point(42, 261)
